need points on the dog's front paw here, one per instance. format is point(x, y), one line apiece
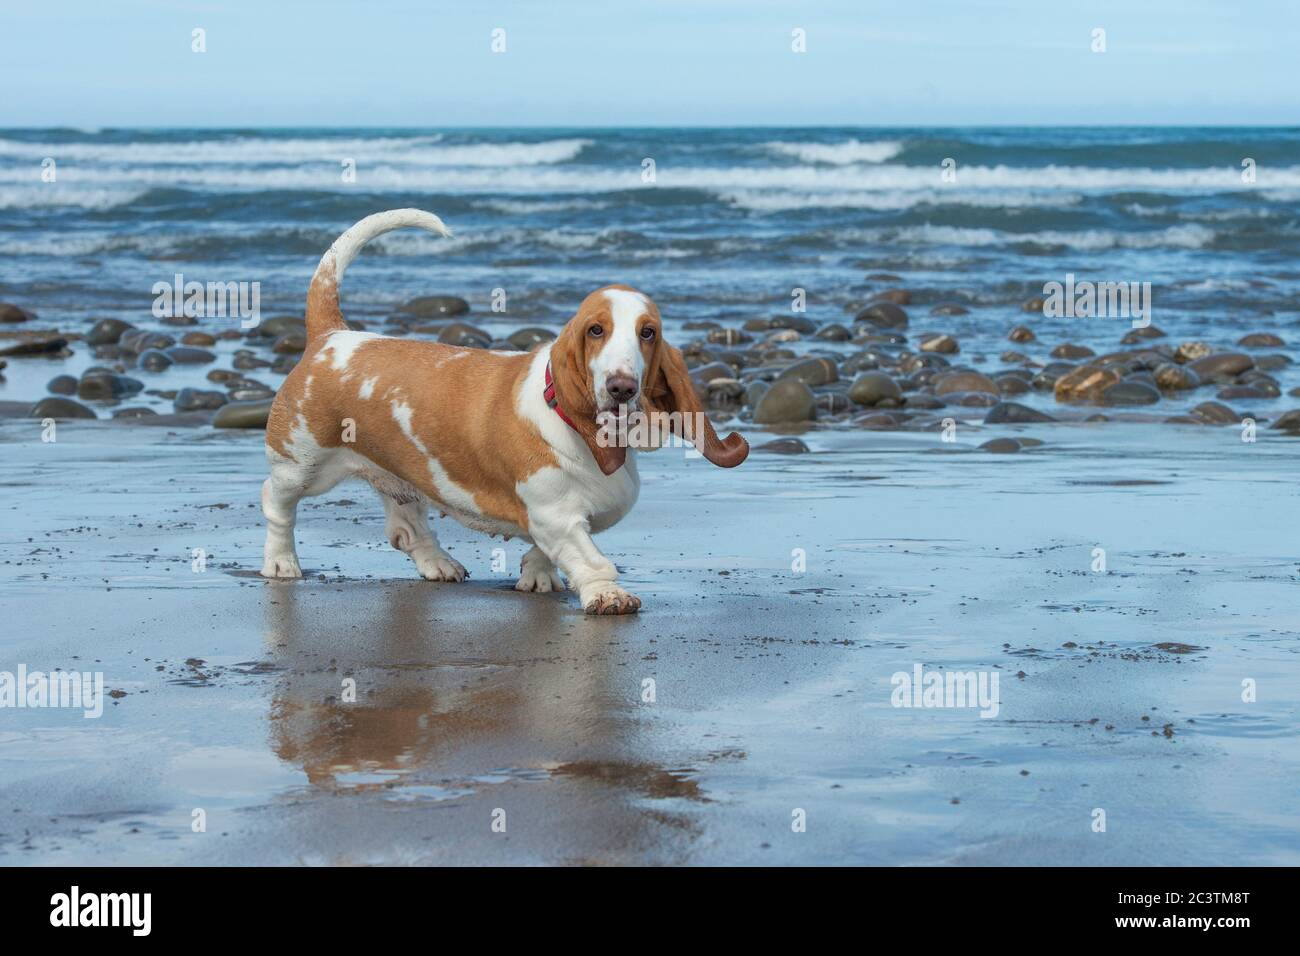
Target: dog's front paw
point(608, 598)
point(439, 566)
point(281, 566)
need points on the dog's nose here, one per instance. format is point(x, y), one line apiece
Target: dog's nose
point(621, 388)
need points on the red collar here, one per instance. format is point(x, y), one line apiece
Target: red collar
point(552, 401)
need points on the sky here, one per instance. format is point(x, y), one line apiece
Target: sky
point(93, 64)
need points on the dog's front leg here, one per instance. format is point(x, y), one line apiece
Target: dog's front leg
point(566, 540)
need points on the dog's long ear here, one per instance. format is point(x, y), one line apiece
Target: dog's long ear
point(576, 396)
point(668, 389)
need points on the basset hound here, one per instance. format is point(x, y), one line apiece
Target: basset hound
point(532, 445)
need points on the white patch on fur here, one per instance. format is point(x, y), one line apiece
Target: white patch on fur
point(621, 355)
point(456, 499)
point(576, 491)
point(342, 345)
point(367, 388)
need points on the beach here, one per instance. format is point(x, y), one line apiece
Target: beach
point(772, 688)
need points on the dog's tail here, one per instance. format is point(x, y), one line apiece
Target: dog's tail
point(323, 312)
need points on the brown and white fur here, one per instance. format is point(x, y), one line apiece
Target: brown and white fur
point(471, 431)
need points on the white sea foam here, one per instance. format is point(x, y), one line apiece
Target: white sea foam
point(1190, 236)
point(839, 154)
point(251, 151)
point(783, 200)
point(850, 186)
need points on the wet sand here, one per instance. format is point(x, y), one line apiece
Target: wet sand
point(772, 688)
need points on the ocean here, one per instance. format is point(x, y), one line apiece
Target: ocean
point(716, 224)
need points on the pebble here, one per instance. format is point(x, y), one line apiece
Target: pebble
point(525, 339)
point(1084, 384)
point(972, 399)
point(729, 337)
point(1001, 446)
point(104, 386)
point(1191, 351)
point(434, 306)
point(108, 332)
point(1176, 378)
point(1134, 336)
point(1216, 413)
point(788, 400)
point(289, 343)
point(1071, 351)
point(1222, 367)
point(62, 385)
point(39, 345)
point(1013, 413)
point(279, 325)
point(1012, 384)
point(812, 371)
point(964, 381)
point(876, 421)
point(140, 340)
point(784, 446)
point(882, 315)
point(186, 355)
point(1271, 363)
point(253, 394)
point(1261, 340)
point(1022, 334)
point(245, 360)
point(464, 335)
point(243, 414)
point(11, 314)
point(941, 342)
point(194, 399)
point(834, 333)
point(1230, 392)
point(134, 411)
point(798, 323)
point(1289, 421)
point(1130, 392)
point(60, 408)
point(873, 388)
point(152, 360)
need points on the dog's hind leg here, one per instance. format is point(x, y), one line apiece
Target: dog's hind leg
point(281, 493)
point(537, 573)
point(407, 528)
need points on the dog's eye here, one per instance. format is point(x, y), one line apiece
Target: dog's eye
point(648, 333)
point(596, 331)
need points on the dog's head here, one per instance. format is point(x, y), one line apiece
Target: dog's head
point(611, 358)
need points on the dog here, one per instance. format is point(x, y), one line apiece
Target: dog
point(530, 445)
